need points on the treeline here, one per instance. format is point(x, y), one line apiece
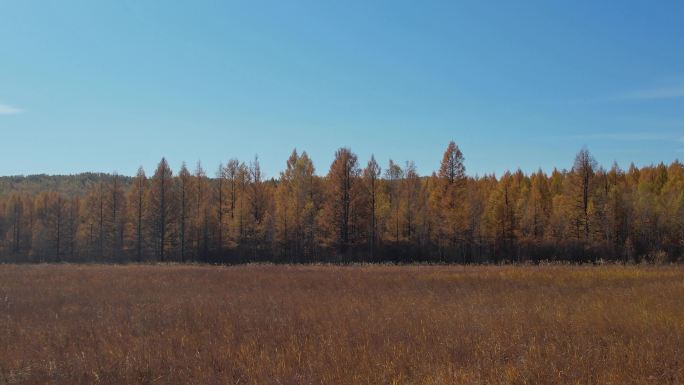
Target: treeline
point(65, 184)
point(354, 213)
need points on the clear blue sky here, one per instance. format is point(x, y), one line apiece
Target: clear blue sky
point(103, 86)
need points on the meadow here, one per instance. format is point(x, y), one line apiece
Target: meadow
point(364, 324)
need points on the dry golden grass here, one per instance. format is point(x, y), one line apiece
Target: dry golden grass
point(341, 325)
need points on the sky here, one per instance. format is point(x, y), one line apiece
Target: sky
point(109, 86)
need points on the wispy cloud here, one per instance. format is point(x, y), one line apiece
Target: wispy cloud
point(655, 93)
point(623, 136)
point(672, 88)
point(665, 89)
point(9, 110)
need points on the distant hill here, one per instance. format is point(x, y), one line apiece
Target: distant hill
point(76, 184)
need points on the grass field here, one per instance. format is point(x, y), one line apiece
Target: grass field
point(256, 324)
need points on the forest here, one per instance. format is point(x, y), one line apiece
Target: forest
point(354, 213)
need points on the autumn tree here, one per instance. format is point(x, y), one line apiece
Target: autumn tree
point(94, 213)
point(201, 209)
point(536, 206)
point(242, 206)
point(341, 180)
point(296, 207)
point(451, 169)
point(616, 224)
point(137, 204)
point(501, 216)
point(256, 195)
point(394, 175)
point(580, 190)
point(286, 206)
point(475, 234)
point(113, 202)
point(185, 189)
point(71, 226)
point(371, 176)
point(234, 174)
point(17, 223)
point(411, 200)
point(672, 196)
point(48, 236)
point(219, 197)
point(162, 209)
point(260, 221)
point(447, 198)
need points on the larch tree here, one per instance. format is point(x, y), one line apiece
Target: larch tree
point(580, 189)
point(451, 169)
point(220, 196)
point(58, 217)
point(113, 216)
point(95, 220)
point(296, 206)
point(371, 176)
point(201, 207)
point(287, 208)
point(242, 203)
point(476, 195)
point(232, 173)
point(185, 190)
point(617, 215)
point(672, 197)
point(308, 189)
point(501, 216)
point(537, 206)
point(162, 208)
point(137, 197)
point(72, 225)
point(257, 196)
point(341, 179)
point(450, 210)
point(48, 236)
point(394, 176)
point(14, 214)
point(412, 199)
